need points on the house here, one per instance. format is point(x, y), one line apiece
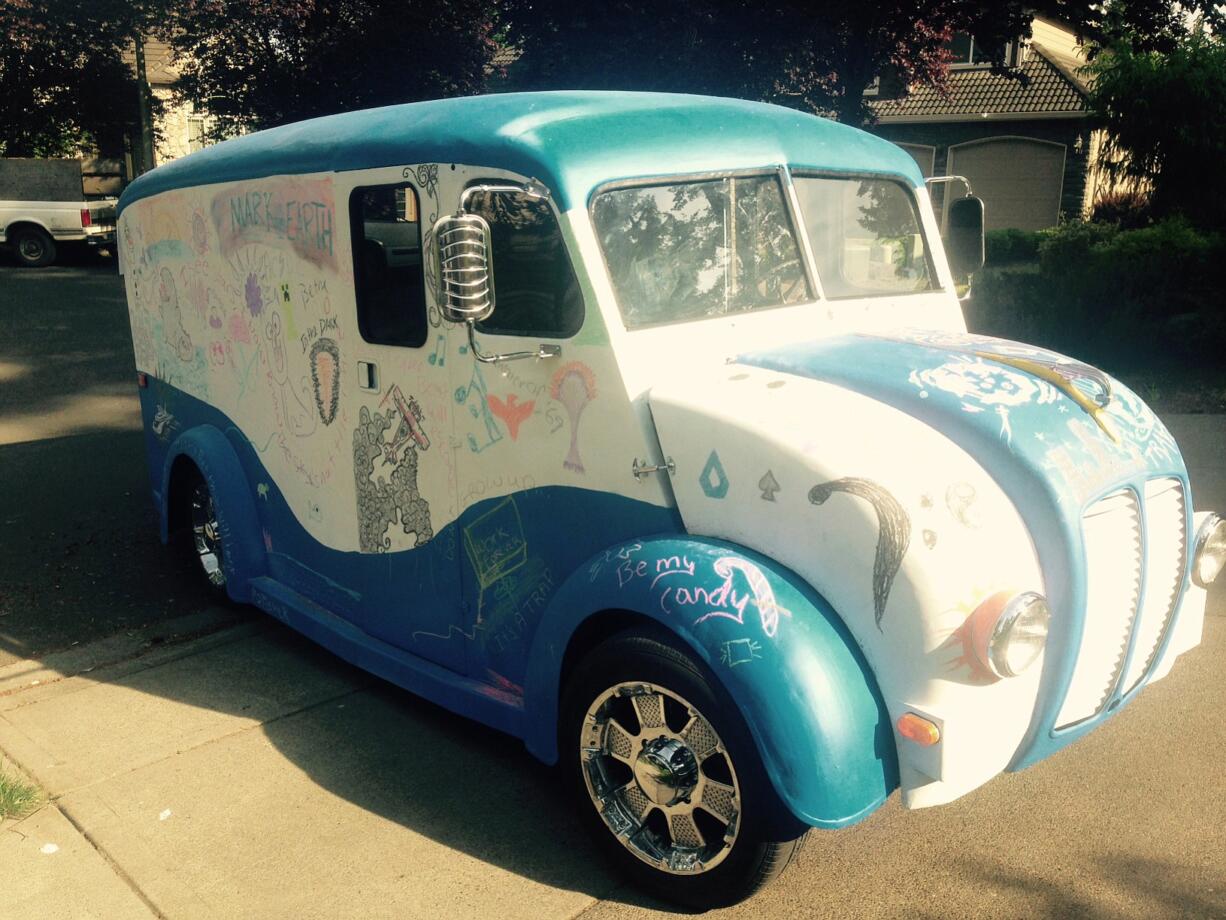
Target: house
point(1026, 146)
point(180, 129)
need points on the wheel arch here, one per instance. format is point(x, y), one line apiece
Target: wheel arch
point(206, 451)
point(23, 223)
point(805, 692)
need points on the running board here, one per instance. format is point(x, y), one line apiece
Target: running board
point(490, 705)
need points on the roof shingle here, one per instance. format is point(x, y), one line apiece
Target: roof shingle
point(981, 93)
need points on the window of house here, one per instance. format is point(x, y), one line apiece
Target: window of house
point(536, 292)
point(966, 52)
point(387, 269)
point(197, 132)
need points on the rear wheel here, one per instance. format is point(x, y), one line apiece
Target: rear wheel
point(33, 246)
point(206, 542)
point(667, 778)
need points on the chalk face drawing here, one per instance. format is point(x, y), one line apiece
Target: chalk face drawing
point(512, 412)
point(960, 500)
point(298, 213)
point(984, 385)
point(893, 532)
point(172, 321)
point(574, 386)
point(384, 501)
point(325, 361)
point(713, 479)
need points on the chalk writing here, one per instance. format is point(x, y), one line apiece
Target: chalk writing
point(299, 212)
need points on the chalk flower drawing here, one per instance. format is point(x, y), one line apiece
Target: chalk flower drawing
point(574, 386)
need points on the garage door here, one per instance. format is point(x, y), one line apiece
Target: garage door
point(1019, 179)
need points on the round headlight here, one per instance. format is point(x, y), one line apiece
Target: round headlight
point(1009, 633)
point(1209, 554)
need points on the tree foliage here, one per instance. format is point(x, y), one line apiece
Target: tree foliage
point(1165, 118)
point(259, 63)
point(63, 78)
point(817, 58)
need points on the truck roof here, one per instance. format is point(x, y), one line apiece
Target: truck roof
point(572, 141)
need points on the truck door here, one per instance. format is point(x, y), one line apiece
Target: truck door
point(403, 461)
point(509, 431)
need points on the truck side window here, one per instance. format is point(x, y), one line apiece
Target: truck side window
point(387, 267)
point(535, 289)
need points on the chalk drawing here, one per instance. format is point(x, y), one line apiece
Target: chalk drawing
point(574, 386)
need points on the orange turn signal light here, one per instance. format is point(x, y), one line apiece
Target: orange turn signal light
point(918, 729)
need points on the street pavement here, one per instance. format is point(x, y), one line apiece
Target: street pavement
point(207, 762)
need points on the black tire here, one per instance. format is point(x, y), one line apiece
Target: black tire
point(765, 835)
point(202, 539)
point(33, 246)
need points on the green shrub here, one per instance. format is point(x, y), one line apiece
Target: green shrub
point(1007, 247)
point(1112, 296)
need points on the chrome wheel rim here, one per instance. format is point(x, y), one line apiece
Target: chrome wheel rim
point(206, 535)
point(663, 784)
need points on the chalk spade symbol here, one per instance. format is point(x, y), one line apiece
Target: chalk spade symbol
point(893, 532)
point(769, 486)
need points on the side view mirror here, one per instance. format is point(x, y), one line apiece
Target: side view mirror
point(460, 249)
point(462, 263)
point(964, 237)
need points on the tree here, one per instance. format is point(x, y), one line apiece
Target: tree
point(1165, 118)
point(260, 63)
point(65, 83)
point(817, 58)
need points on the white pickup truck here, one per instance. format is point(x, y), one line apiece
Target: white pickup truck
point(42, 209)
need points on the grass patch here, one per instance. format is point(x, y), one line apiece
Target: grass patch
point(17, 798)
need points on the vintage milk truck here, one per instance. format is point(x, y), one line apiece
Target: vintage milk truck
point(647, 428)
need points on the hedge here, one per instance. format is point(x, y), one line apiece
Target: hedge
point(1101, 292)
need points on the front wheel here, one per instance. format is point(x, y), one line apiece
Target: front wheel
point(667, 777)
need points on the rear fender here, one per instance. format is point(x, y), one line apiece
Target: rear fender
point(237, 518)
point(779, 649)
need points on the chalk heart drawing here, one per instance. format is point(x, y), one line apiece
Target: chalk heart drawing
point(325, 361)
point(731, 603)
point(574, 386)
point(893, 532)
point(512, 412)
point(713, 479)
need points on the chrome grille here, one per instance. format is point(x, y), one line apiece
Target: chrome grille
point(1165, 548)
point(1116, 616)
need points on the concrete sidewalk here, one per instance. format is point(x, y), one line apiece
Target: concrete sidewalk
point(249, 774)
point(246, 773)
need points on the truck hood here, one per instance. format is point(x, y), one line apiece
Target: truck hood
point(1032, 417)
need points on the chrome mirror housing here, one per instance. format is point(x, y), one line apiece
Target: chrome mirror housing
point(462, 264)
point(460, 250)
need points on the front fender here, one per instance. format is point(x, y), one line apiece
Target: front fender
point(237, 518)
point(779, 649)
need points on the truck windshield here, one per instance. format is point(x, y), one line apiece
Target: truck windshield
point(865, 235)
point(699, 249)
point(707, 248)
